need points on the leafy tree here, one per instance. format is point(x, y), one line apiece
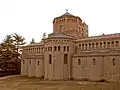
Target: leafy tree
point(7, 47)
point(18, 41)
point(9, 51)
point(6, 51)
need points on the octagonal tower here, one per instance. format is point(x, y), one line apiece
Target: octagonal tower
point(70, 25)
point(59, 46)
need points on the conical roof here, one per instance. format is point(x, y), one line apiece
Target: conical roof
point(67, 14)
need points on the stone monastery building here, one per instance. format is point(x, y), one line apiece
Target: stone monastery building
point(69, 53)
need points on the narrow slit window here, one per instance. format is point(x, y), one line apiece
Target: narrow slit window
point(64, 48)
point(68, 49)
point(65, 58)
point(58, 48)
point(50, 59)
point(94, 62)
point(96, 45)
point(79, 62)
point(113, 61)
point(38, 63)
point(92, 45)
point(55, 48)
point(50, 48)
point(29, 61)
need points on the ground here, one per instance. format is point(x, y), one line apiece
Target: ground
point(17, 82)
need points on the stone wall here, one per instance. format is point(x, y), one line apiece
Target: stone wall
point(90, 68)
point(112, 68)
point(97, 66)
point(59, 49)
point(32, 63)
point(24, 67)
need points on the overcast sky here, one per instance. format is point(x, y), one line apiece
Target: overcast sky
point(31, 18)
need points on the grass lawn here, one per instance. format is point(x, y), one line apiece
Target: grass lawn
point(25, 83)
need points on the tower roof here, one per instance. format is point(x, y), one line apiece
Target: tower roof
point(66, 14)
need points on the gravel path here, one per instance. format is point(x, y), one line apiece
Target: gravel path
point(16, 82)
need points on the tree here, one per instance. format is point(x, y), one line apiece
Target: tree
point(7, 47)
point(18, 41)
point(9, 51)
point(6, 51)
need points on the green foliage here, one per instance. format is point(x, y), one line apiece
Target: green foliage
point(9, 51)
point(18, 40)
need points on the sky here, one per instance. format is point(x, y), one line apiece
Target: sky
point(32, 18)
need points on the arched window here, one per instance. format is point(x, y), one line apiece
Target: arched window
point(96, 45)
point(42, 49)
point(108, 45)
point(29, 61)
point(94, 62)
point(117, 44)
point(55, 48)
point(112, 44)
point(79, 62)
point(100, 44)
point(65, 58)
point(50, 59)
point(50, 48)
point(113, 61)
point(85, 46)
point(38, 62)
point(104, 44)
point(68, 48)
point(92, 45)
point(64, 48)
point(80, 46)
point(58, 48)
